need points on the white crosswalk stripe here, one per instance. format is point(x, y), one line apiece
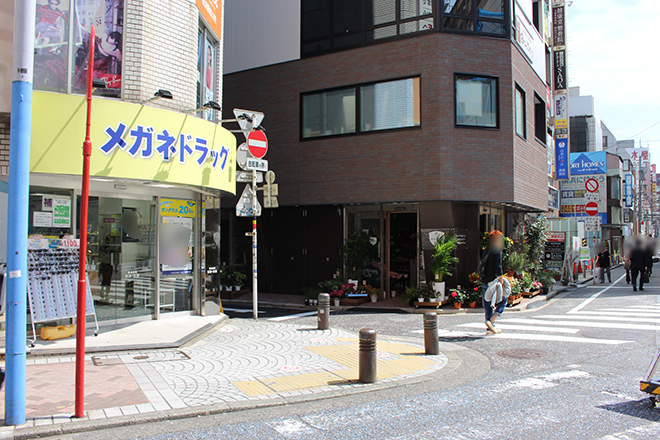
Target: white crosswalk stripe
point(571, 324)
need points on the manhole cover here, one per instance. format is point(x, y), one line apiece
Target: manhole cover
point(290, 368)
point(524, 353)
point(101, 362)
point(611, 334)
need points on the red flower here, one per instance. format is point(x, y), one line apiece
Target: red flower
point(454, 294)
point(476, 288)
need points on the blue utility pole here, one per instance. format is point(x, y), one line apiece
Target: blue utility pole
point(17, 212)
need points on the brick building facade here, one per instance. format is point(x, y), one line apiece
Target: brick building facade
point(447, 175)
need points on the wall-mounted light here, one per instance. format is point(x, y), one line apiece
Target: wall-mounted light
point(211, 105)
point(161, 93)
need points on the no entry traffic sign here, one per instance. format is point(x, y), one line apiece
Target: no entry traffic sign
point(257, 143)
point(591, 185)
point(591, 208)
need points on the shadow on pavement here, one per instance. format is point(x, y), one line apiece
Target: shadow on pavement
point(642, 409)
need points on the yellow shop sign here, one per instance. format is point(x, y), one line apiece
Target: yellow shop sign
point(177, 208)
point(130, 141)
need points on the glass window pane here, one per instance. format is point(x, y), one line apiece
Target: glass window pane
point(315, 19)
point(329, 113)
point(458, 23)
point(476, 101)
point(108, 17)
point(520, 113)
point(491, 8)
point(209, 73)
point(393, 104)
point(490, 27)
point(384, 32)
point(315, 46)
point(415, 8)
point(380, 11)
point(461, 7)
point(346, 16)
point(51, 45)
point(348, 39)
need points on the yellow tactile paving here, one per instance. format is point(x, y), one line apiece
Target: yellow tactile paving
point(253, 388)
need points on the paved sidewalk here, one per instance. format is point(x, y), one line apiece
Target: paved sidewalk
point(241, 362)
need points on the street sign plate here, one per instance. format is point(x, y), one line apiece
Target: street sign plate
point(274, 189)
point(248, 119)
point(257, 143)
point(591, 208)
point(257, 164)
point(246, 177)
point(591, 185)
point(271, 202)
point(270, 177)
point(244, 206)
point(242, 155)
point(591, 197)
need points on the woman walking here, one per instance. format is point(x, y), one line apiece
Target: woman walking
point(491, 272)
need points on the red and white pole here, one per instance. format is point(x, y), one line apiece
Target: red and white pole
point(82, 265)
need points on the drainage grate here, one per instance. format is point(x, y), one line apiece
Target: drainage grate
point(523, 353)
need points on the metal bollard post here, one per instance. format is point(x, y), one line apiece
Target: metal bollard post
point(368, 355)
point(324, 311)
point(431, 343)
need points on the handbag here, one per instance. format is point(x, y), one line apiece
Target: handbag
point(645, 277)
point(626, 264)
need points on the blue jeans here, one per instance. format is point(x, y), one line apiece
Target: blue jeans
point(499, 307)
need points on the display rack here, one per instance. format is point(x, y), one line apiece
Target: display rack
point(53, 282)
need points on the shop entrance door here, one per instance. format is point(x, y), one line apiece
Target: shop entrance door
point(402, 252)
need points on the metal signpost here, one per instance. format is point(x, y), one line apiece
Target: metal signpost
point(249, 158)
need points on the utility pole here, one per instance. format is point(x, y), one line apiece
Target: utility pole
point(639, 196)
point(255, 278)
point(18, 208)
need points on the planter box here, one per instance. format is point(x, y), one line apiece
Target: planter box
point(233, 294)
point(512, 301)
point(531, 293)
point(353, 301)
point(431, 304)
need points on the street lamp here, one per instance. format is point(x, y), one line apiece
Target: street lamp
point(82, 257)
point(211, 105)
point(161, 93)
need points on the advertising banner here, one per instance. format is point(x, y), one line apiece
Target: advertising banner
point(178, 208)
point(558, 23)
point(561, 82)
point(555, 249)
point(211, 10)
point(583, 164)
point(562, 159)
point(131, 141)
point(584, 196)
point(629, 190)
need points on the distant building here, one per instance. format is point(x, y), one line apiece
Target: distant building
point(586, 132)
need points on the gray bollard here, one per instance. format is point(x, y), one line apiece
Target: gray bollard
point(431, 343)
point(324, 311)
point(368, 355)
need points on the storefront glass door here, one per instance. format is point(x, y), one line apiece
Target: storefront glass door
point(402, 251)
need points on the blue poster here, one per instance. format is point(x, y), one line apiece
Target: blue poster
point(562, 159)
point(584, 164)
point(629, 190)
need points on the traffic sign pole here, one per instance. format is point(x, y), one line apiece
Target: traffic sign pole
point(255, 279)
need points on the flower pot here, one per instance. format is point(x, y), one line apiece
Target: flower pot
point(393, 294)
point(373, 298)
point(457, 305)
point(435, 300)
point(440, 289)
point(237, 288)
point(420, 299)
point(472, 305)
point(228, 288)
point(511, 273)
point(337, 302)
point(526, 290)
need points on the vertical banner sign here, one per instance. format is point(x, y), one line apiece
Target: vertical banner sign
point(211, 10)
point(562, 159)
point(629, 190)
point(561, 82)
point(559, 36)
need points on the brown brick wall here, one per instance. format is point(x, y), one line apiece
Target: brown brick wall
point(437, 162)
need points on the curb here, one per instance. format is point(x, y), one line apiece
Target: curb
point(457, 356)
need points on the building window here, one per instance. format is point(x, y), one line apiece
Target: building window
point(615, 187)
point(60, 23)
point(363, 108)
point(477, 101)
point(206, 71)
point(604, 141)
point(539, 119)
point(339, 24)
point(476, 16)
point(521, 114)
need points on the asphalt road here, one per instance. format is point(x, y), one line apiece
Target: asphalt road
point(568, 370)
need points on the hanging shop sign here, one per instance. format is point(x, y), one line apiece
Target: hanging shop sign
point(553, 197)
point(555, 248)
point(562, 159)
point(558, 25)
point(211, 10)
point(561, 82)
point(594, 162)
point(178, 208)
point(130, 141)
point(629, 190)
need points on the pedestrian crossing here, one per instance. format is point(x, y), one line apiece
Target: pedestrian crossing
point(567, 327)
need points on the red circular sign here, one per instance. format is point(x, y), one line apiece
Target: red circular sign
point(591, 208)
point(591, 185)
point(257, 143)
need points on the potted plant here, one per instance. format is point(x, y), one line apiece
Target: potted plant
point(237, 279)
point(536, 236)
point(328, 286)
point(457, 296)
point(443, 261)
point(514, 262)
point(473, 295)
point(356, 252)
point(224, 278)
point(412, 294)
point(337, 295)
point(526, 282)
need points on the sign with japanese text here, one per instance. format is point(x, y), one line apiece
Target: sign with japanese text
point(637, 154)
point(211, 10)
point(558, 25)
point(131, 141)
point(629, 190)
point(178, 208)
point(553, 198)
point(562, 159)
point(561, 81)
point(555, 248)
point(574, 197)
point(62, 212)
